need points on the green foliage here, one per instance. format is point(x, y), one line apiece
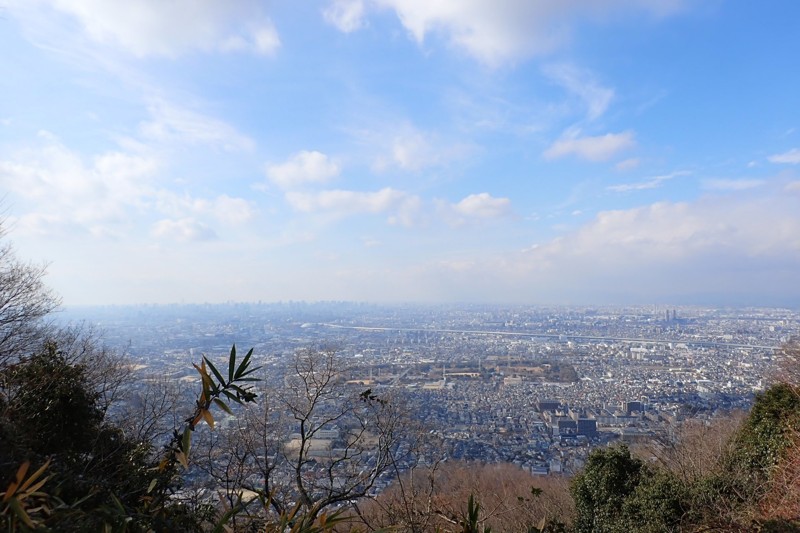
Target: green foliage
point(766, 432)
point(617, 492)
point(658, 504)
point(731, 494)
point(50, 406)
point(610, 477)
point(470, 523)
point(50, 417)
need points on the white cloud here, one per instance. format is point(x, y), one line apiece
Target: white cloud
point(748, 227)
point(171, 28)
point(225, 209)
point(481, 206)
point(56, 191)
point(303, 168)
point(508, 30)
point(398, 205)
point(791, 157)
point(56, 181)
point(581, 83)
point(742, 247)
point(599, 148)
point(731, 184)
point(172, 123)
point(408, 148)
point(649, 183)
point(184, 229)
point(346, 15)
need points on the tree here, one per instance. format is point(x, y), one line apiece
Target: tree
point(313, 443)
point(692, 449)
point(49, 414)
point(510, 499)
point(24, 303)
point(600, 491)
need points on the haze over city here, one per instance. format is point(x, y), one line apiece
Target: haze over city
point(610, 152)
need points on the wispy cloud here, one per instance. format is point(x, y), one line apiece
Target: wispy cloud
point(400, 207)
point(174, 123)
point(732, 184)
point(653, 182)
point(599, 148)
point(408, 148)
point(184, 229)
point(157, 28)
point(346, 15)
point(582, 83)
point(627, 164)
point(509, 30)
point(792, 157)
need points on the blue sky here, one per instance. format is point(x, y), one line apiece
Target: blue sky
point(512, 151)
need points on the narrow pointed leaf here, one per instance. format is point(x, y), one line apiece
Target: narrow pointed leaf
point(35, 487)
point(35, 475)
point(231, 363)
point(182, 459)
point(214, 370)
point(244, 363)
point(152, 485)
point(23, 469)
point(21, 514)
point(208, 417)
point(250, 371)
point(186, 441)
point(222, 405)
point(231, 397)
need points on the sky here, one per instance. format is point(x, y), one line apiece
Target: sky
point(502, 151)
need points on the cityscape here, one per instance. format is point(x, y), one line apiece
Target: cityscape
point(539, 387)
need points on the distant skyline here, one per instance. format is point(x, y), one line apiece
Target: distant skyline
point(506, 151)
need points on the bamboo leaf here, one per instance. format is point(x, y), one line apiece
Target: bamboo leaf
point(12, 487)
point(232, 397)
point(222, 405)
point(20, 512)
point(35, 475)
point(22, 470)
point(34, 488)
point(243, 366)
point(182, 459)
point(232, 363)
point(250, 371)
point(186, 441)
point(208, 417)
point(214, 370)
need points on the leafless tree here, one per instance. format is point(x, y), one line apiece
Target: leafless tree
point(313, 444)
point(511, 499)
point(153, 409)
point(788, 368)
point(409, 504)
point(25, 301)
point(108, 371)
point(692, 449)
